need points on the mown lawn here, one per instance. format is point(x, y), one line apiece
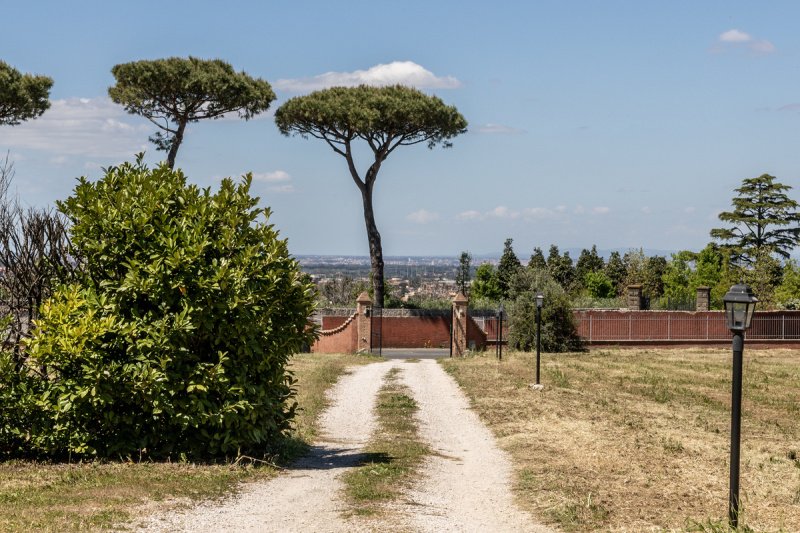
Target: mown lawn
point(100, 495)
point(638, 440)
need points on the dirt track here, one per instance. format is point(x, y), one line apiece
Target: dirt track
point(464, 486)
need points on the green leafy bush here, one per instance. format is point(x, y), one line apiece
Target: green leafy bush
point(559, 332)
point(175, 339)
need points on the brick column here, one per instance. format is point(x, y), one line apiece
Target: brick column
point(703, 299)
point(459, 338)
point(363, 322)
point(634, 299)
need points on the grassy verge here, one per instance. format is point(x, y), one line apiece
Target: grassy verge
point(80, 497)
point(639, 439)
point(394, 453)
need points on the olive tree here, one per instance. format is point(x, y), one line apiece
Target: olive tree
point(175, 91)
point(382, 117)
point(22, 96)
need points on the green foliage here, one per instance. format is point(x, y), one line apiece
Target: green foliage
point(787, 294)
point(616, 272)
point(486, 285)
point(677, 275)
point(22, 96)
point(383, 118)
point(598, 285)
point(464, 275)
point(561, 268)
point(175, 91)
point(652, 282)
point(537, 260)
point(175, 339)
point(588, 261)
point(764, 220)
point(507, 269)
point(559, 331)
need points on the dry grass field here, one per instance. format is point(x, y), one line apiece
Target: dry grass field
point(638, 440)
point(94, 496)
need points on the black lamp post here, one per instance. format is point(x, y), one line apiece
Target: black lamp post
point(740, 303)
point(500, 332)
point(539, 303)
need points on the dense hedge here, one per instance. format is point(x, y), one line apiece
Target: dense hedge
point(175, 339)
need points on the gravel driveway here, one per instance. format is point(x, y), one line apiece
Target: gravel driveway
point(464, 486)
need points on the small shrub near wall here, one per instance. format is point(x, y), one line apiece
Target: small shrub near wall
point(175, 339)
point(559, 330)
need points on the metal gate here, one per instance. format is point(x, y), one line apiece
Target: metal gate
point(376, 325)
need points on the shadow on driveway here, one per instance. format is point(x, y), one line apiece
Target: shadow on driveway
point(415, 353)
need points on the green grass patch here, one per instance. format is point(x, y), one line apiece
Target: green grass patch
point(38, 496)
point(393, 455)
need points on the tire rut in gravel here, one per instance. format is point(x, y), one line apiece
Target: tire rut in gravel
point(308, 496)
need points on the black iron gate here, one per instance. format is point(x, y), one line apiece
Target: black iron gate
point(376, 326)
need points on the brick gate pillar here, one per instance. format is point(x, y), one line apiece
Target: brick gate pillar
point(363, 322)
point(634, 299)
point(703, 299)
point(459, 337)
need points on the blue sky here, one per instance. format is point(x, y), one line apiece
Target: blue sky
point(620, 124)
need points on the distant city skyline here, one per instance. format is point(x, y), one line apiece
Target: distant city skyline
point(616, 124)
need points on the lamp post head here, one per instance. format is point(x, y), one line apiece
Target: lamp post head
point(740, 303)
point(539, 300)
point(500, 311)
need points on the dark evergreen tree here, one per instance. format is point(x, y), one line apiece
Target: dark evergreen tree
point(508, 268)
point(537, 260)
point(764, 221)
point(616, 272)
point(588, 261)
point(652, 277)
point(463, 275)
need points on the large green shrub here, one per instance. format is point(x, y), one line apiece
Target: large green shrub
point(176, 337)
point(559, 332)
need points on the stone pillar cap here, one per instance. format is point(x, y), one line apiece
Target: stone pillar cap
point(363, 298)
point(460, 299)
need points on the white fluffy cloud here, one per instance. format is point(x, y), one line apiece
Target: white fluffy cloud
point(422, 217)
point(734, 37)
point(90, 127)
point(402, 72)
point(272, 177)
point(529, 214)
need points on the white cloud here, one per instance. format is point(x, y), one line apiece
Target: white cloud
point(91, 127)
point(530, 214)
point(470, 215)
point(502, 211)
point(422, 217)
point(498, 129)
point(396, 72)
point(646, 210)
point(689, 210)
point(735, 36)
point(762, 47)
point(271, 177)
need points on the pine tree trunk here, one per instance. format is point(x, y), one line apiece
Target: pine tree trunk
point(375, 250)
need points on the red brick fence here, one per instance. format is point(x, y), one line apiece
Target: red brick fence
point(348, 330)
point(599, 327)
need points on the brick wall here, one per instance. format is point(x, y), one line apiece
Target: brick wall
point(599, 326)
point(339, 335)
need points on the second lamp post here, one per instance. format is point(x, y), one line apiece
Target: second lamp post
point(539, 303)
